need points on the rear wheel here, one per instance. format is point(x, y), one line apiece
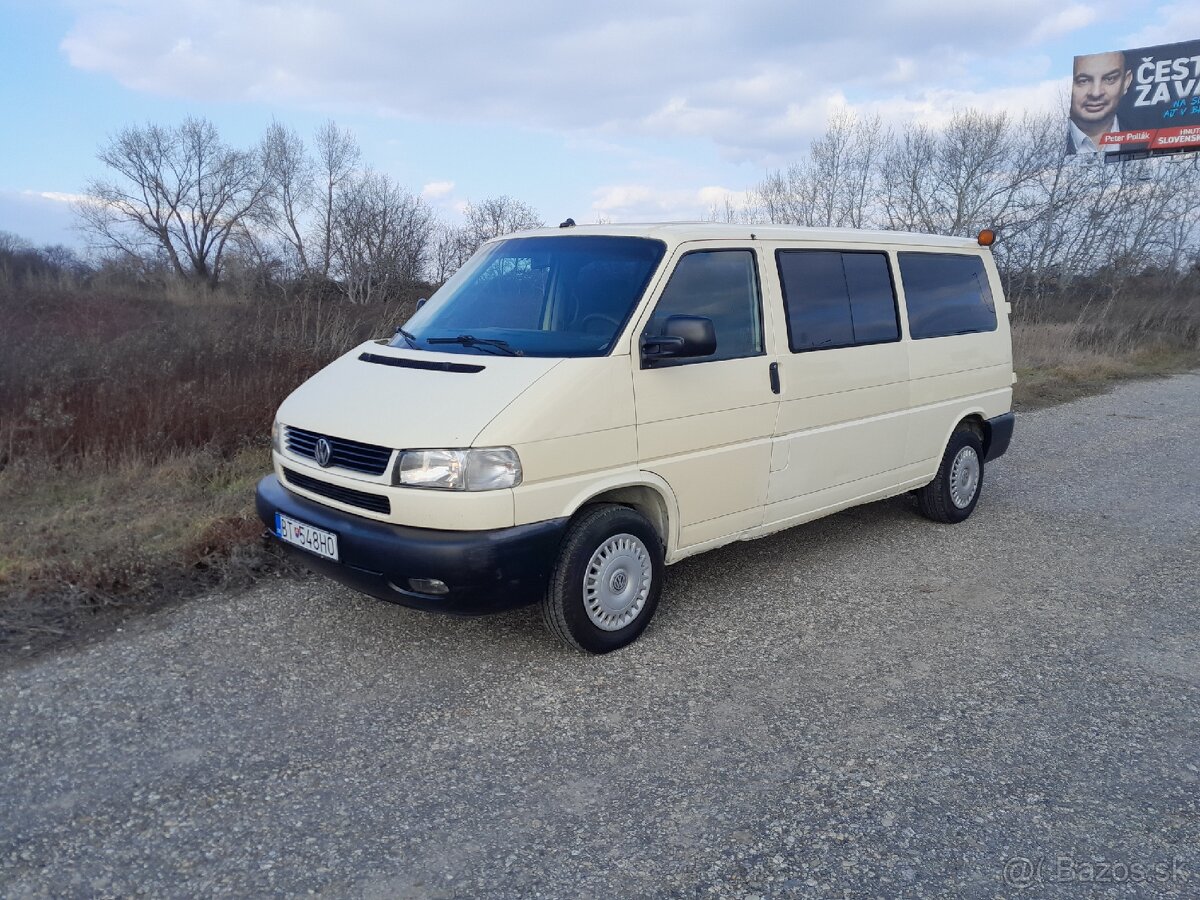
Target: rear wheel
point(606, 582)
point(954, 491)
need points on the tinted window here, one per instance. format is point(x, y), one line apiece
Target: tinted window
point(946, 294)
point(872, 299)
point(538, 296)
point(723, 286)
point(508, 293)
point(837, 299)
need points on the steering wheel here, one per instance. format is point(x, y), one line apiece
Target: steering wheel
point(600, 317)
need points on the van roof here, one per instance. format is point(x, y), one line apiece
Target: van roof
point(677, 232)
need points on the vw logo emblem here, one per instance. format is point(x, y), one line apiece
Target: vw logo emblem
point(323, 452)
point(619, 581)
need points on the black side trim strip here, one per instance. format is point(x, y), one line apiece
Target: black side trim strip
point(434, 365)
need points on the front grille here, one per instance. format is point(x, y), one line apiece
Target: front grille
point(361, 499)
point(358, 457)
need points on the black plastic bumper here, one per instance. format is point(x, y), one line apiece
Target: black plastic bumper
point(486, 571)
point(997, 436)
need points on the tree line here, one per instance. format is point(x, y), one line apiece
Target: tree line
point(309, 216)
point(1060, 220)
point(299, 216)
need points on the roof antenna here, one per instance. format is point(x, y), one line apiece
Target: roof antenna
point(570, 223)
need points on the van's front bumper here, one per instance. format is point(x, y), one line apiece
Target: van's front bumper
point(485, 571)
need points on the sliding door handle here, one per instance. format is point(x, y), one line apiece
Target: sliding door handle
point(773, 371)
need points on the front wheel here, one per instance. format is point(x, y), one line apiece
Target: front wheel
point(954, 491)
point(607, 579)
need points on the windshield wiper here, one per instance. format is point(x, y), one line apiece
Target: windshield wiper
point(412, 341)
point(468, 340)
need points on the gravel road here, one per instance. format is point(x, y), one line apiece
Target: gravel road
point(867, 705)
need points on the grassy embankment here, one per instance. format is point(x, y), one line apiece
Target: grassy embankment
point(1064, 349)
point(133, 426)
point(134, 423)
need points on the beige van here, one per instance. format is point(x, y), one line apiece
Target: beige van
point(578, 408)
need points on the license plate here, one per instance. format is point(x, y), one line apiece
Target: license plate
point(314, 540)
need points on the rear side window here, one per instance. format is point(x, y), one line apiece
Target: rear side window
point(837, 298)
point(723, 286)
point(946, 294)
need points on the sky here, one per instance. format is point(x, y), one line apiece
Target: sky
point(626, 111)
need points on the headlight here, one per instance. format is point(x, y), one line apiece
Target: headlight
point(483, 469)
point(276, 436)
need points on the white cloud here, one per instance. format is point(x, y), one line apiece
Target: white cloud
point(646, 203)
point(1064, 22)
point(1173, 22)
point(936, 107)
point(56, 196)
point(436, 190)
point(757, 82)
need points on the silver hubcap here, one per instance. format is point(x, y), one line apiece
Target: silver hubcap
point(617, 582)
point(964, 477)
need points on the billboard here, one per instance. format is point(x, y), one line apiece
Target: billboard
point(1125, 101)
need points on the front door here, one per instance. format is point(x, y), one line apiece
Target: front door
point(705, 425)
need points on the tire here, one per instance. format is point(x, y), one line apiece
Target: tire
point(954, 491)
point(607, 579)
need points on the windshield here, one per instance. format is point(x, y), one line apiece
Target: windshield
point(538, 296)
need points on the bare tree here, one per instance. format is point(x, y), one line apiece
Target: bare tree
point(446, 255)
point(291, 192)
point(488, 219)
point(1059, 219)
point(177, 191)
point(860, 186)
point(955, 181)
point(338, 155)
point(1037, 239)
point(726, 211)
point(784, 197)
point(496, 216)
point(381, 238)
point(907, 165)
point(13, 243)
point(834, 186)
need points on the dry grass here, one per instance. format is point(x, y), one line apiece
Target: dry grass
point(1054, 366)
point(90, 538)
point(1075, 340)
point(133, 425)
point(1071, 348)
point(116, 375)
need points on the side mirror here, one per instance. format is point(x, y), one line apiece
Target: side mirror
point(422, 302)
point(682, 337)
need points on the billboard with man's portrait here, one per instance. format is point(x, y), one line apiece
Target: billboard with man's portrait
point(1143, 99)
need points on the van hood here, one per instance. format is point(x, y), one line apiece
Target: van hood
point(405, 398)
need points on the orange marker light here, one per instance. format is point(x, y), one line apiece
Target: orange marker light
point(987, 237)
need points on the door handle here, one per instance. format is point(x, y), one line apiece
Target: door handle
point(773, 372)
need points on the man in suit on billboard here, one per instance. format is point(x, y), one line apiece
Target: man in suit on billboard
point(1099, 82)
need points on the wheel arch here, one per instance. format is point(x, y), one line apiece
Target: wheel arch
point(976, 418)
point(648, 495)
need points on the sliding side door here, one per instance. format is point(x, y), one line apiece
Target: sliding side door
point(844, 376)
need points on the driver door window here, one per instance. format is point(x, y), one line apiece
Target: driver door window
point(721, 285)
